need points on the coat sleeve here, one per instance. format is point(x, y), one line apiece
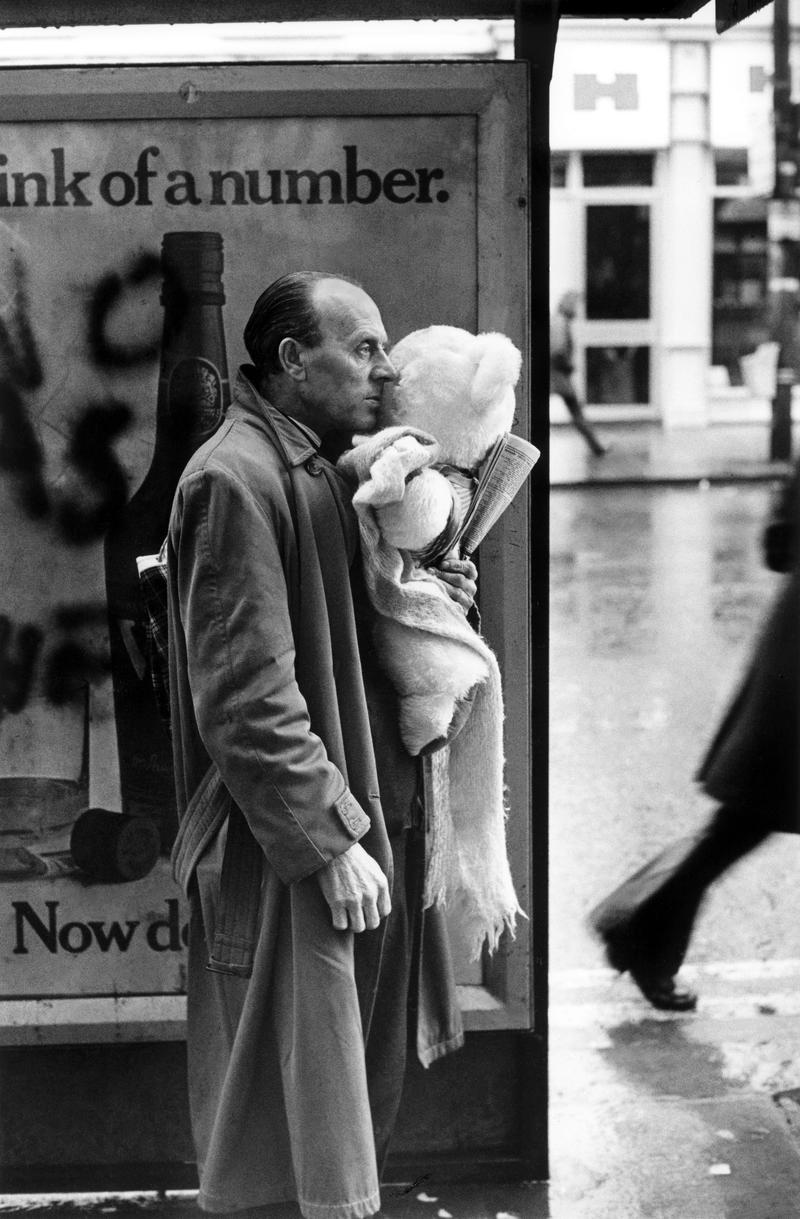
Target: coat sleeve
point(253, 720)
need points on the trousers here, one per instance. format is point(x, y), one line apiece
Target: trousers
point(294, 1093)
point(648, 920)
point(561, 384)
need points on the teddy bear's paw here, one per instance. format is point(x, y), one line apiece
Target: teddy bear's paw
point(388, 473)
point(421, 516)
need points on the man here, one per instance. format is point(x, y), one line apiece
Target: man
point(562, 368)
point(301, 837)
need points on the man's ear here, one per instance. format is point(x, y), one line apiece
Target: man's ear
point(292, 357)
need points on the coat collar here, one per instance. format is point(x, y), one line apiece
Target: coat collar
point(294, 441)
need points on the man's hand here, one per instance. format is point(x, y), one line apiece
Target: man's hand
point(356, 890)
point(460, 576)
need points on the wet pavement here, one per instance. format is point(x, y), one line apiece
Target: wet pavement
point(646, 451)
point(456, 1202)
point(657, 587)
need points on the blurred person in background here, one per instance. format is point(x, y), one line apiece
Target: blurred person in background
point(751, 768)
point(562, 368)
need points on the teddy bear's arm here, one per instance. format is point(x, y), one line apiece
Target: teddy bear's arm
point(422, 514)
point(386, 482)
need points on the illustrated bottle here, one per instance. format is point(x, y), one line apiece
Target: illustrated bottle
point(193, 394)
point(113, 846)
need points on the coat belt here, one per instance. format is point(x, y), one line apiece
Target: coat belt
point(236, 923)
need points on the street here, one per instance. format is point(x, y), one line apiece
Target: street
point(655, 596)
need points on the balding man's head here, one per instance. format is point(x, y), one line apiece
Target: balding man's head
point(319, 346)
point(285, 309)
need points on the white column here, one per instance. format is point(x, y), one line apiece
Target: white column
point(684, 244)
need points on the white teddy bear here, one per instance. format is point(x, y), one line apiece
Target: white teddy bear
point(453, 400)
point(459, 388)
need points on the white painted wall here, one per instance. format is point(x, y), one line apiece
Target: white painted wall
point(684, 251)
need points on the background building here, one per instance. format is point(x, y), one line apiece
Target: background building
point(662, 160)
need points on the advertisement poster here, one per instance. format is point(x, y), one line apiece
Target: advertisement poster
point(94, 411)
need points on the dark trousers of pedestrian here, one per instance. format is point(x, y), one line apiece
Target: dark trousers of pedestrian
point(647, 922)
point(561, 384)
point(582, 424)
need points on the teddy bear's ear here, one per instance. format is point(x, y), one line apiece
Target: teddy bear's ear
point(498, 368)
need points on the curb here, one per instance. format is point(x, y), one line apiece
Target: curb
point(671, 480)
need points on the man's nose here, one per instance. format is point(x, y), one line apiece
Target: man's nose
point(385, 369)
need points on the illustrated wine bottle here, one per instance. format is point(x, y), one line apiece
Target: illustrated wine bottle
point(193, 394)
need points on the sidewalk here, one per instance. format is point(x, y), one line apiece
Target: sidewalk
point(662, 1116)
point(646, 452)
point(657, 1116)
point(653, 1116)
point(457, 1202)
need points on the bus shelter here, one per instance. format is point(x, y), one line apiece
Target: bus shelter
point(428, 182)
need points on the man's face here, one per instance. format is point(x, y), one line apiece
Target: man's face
point(348, 369)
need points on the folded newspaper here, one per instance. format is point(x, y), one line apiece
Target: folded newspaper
point(152, 569)
point(503, 472)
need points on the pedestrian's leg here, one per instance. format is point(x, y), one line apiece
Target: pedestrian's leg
point(573, 405)
point(647, 922)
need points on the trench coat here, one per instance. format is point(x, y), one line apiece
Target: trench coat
point(266, 682)
point(753, 760)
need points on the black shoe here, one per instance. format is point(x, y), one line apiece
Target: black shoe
point(662, 992)
point(659, 989)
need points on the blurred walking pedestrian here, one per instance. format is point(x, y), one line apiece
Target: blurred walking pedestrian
point(751, 768)
point(562, 367)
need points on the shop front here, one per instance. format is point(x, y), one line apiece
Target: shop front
point(662, 165)
point(609, 133)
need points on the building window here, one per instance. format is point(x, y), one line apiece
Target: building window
point(618, 375)
point(617, 169)
point(617, 261)
point(730, 167)
point(739, 319)
point(558, 170)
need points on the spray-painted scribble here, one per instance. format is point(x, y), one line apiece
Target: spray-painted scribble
point(72, 661)
point(106, 297)
point(19, 652)
point(91, 455)
point(90, 492)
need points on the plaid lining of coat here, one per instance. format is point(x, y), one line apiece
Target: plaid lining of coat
point(153, 584)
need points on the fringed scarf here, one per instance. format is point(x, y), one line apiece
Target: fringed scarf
point(426, 646)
